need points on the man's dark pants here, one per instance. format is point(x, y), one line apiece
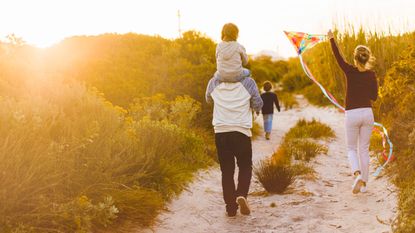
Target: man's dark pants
point(231, 145)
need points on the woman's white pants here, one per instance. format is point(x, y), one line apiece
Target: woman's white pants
point(359, 125)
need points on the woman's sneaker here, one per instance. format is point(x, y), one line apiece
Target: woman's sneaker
point(243, 204)
point(363, 189)
point(357, 185)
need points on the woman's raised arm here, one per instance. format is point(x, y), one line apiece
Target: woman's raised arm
point(340, 60)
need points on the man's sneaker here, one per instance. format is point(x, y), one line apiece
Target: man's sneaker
point(243, 204)
point(363, 189)
point(358, 183)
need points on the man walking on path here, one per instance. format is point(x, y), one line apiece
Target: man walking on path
point(232, 123)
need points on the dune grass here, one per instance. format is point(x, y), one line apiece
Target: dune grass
point(299, 143)
point(274, 177)
point(73, 162)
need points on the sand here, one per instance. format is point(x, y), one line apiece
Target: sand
point(325, 204)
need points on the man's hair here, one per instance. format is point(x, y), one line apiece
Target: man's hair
point(267, 86)
point(230, 32)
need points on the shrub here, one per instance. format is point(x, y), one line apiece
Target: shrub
point(310, 129)
point(314, 96)
point(303, 149)
point(274, 177)
point(396, 107)
point(302, 169)
point(287, 100)
point(73, 162)
point(281, 156)
point(295, 78)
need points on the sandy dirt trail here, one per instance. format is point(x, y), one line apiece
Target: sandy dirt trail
point(325, 204)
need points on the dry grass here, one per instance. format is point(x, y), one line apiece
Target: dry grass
point(274, 177)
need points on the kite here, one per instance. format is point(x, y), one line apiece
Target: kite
point(302, 42)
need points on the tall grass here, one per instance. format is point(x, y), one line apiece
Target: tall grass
point(385, 47)
point(73, 162)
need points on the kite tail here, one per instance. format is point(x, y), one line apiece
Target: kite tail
point(386, 138)
point(327, 94)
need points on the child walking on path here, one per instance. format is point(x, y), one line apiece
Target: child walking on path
point(231, 56)
point(361, 89)
point(269, 98)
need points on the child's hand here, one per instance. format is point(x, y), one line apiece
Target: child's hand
point(330, 34)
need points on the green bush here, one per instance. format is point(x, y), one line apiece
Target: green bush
point(274, 177)
point(303, 149)
point(315, 96)
point(287, 100)
point(396, 108)
point(73, 162)
point(310, 129)
point(300, 141)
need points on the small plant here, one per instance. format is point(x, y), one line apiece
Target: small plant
point(274, 177)
point(288, 100)
point(302, 169)
point(304, 149)
point(310, 129)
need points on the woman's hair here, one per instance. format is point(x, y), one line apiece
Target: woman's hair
point(363, 56)
point(267, 86)
point(230, 32)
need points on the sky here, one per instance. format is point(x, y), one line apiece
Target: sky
point(261, 22)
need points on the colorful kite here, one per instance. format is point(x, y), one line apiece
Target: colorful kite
point(302, 42)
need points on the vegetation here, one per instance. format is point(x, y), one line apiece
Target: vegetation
point(309, 129)
point(71, 161)
point(396, 108)
point(263, 69)
point(102, 130)
point(300, 142)
point(82, 157)
point(287, 100)
point(274, 177)
point(395, 62)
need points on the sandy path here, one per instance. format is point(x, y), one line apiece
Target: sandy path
point(323, 205)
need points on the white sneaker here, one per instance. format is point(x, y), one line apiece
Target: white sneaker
point(243, 204)
point(357, 185)
point(363, 189)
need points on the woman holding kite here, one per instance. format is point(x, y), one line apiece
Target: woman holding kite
point(361, 89)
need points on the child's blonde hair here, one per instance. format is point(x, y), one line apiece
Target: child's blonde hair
point(230, 32)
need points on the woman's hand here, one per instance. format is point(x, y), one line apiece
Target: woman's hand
point(330, 34)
